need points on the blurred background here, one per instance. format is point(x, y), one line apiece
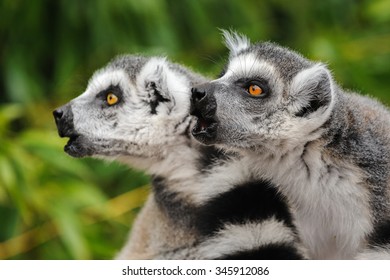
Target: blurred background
point(55, 207)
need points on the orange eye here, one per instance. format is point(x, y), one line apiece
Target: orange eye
point(111, 99)
point(255, 90)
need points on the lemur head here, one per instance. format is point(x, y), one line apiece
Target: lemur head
point(267, 96)
point(133, 107)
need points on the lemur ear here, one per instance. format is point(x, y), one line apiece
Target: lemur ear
point(235, 42)
point(154, 83)
point(157, 80)
point(311, 90)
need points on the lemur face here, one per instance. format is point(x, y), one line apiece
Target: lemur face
point(129, 107)
point(267, 96)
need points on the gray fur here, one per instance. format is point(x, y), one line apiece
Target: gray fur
point(328, 150)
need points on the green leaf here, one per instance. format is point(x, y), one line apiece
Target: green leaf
point(70, 231)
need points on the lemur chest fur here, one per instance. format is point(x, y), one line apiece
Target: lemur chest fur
point(329, 199)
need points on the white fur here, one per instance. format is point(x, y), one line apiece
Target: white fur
point(236, 238)
point(305, 81)
point(376, 253)
point(331, 209)
point(220, 180)
point(300, 130)
point(331, 213)
point(235, 42)
point(248, 64)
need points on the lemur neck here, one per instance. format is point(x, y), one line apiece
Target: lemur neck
point(179, 162)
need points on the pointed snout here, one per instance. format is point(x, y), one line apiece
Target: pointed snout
point(202, 101)
point(63, 117)
point(204, 108)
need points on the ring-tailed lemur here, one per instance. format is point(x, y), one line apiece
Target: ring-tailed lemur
point(327, 150)
point(203, 204)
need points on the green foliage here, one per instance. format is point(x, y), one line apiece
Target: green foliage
point(47, 194)
point(56, 207)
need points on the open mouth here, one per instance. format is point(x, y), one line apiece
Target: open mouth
point(205, 128)
point(72, 140)
point(77, 146)
point(204, 125)
point(71, 147)
point(204, 107)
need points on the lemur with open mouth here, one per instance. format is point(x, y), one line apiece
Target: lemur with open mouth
point(204, 204)
point(327, 150)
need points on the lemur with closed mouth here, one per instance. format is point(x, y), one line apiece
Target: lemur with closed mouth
point(327, 150)
point(136, 111)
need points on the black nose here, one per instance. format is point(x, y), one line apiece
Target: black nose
point(198, 94)
point(203, 102)
point(58, 114)
point(63, 117)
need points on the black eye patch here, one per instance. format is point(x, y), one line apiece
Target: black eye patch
point(246, 83)
point(112, 89)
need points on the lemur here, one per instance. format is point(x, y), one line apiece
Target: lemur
point(135, 110)
point(327, 150)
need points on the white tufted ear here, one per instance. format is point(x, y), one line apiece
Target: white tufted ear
point(310, 90)
point(235, 42)
point(153, 75)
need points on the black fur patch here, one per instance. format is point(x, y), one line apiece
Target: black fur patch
point(251, 201)
point(210, 156)
point(313, 106)
point(254, 201)
point(177, 209)
point(381, 234)
point(102, 96)
point(156, 101)
point(268, 252)
point(320, 96)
